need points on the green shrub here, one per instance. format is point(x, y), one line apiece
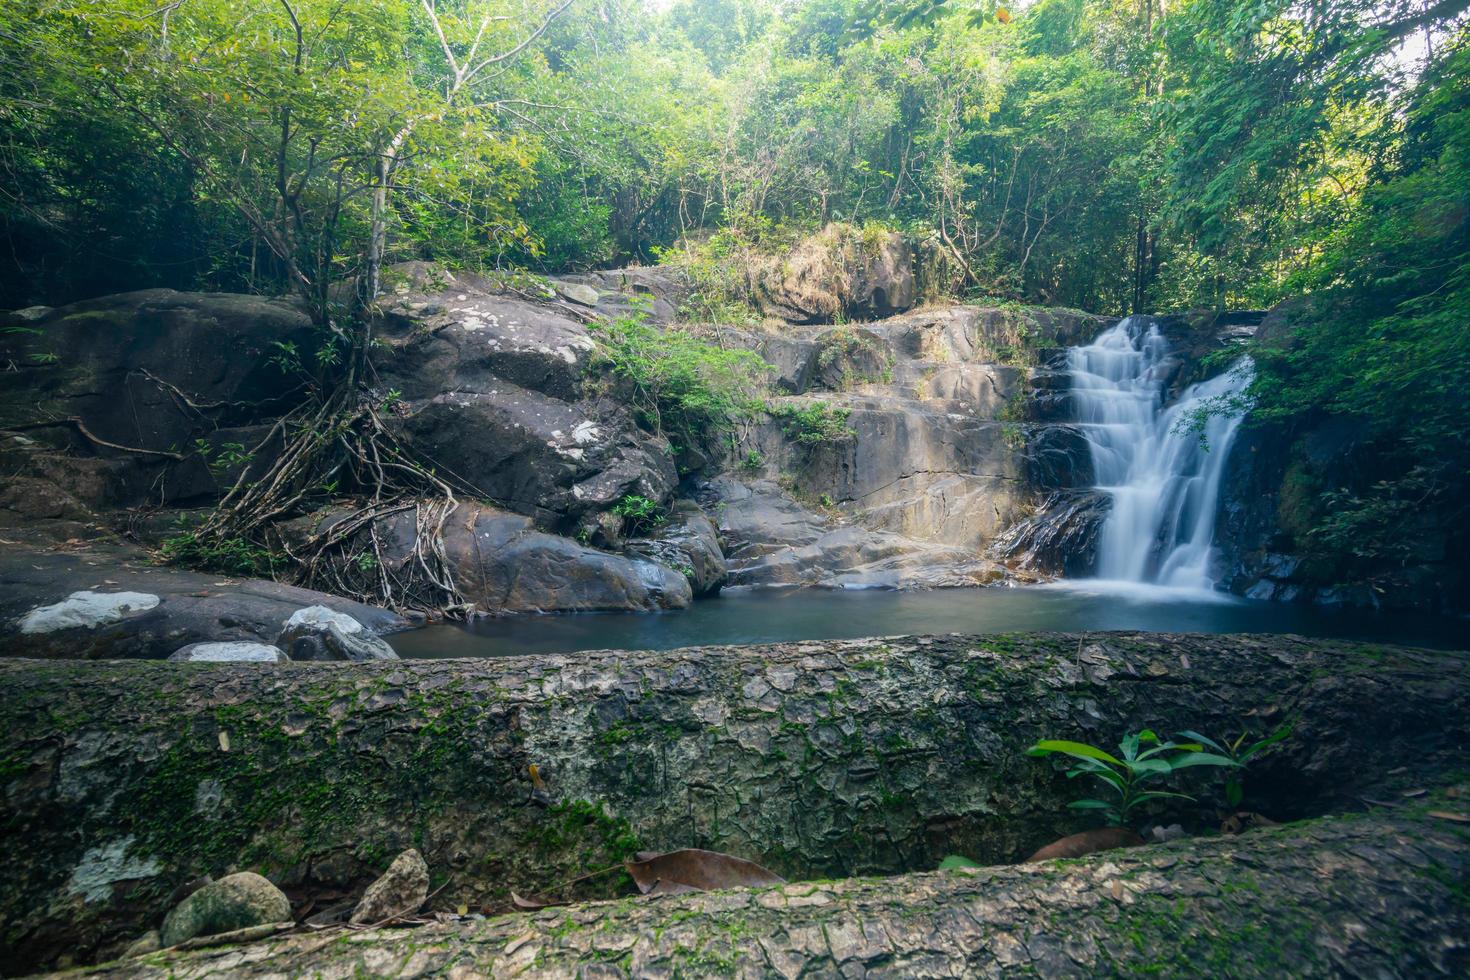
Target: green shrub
point(683, 385)
point(816, 424)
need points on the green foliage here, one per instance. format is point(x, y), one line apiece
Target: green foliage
point(1131, 777)
point(1241, 753)
point(814, 423)
point(682, 384)
point(641, 514)
point(233, 556)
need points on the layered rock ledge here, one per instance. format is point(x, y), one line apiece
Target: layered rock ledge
point(124, 780)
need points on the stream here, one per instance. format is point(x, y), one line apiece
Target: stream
point(769, 616)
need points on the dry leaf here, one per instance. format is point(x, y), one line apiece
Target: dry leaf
point(531, 906)
point(1410, 794)
point(693, 870)
point(1102, 839)
point(1453, 817)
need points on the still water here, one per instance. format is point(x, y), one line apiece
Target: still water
point(808, 614)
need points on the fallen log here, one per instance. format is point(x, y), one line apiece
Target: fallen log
point(1370, 896)
point(123, 780)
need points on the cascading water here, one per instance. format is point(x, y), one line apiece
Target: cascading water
point(1164, 484)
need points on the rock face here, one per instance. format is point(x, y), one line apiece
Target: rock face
point(772, 540)
point(234, 902)
point(815, 759)
point(841, 271)
point(152, 371)
point(320, 633)
point(1368, 895)
point(400, 891)
point(502, 564)
point(135, 608)
point(496, 390)
point(948, 445)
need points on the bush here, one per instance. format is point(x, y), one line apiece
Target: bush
point(815, 424)
point(683, 386)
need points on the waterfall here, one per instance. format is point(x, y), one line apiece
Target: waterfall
point(1164, 484)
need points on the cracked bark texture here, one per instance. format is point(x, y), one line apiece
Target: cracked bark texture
point(1366, 896)
point(123, 780)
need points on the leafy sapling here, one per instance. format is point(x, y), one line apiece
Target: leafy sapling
point(1241, 754)
point(1146, 762)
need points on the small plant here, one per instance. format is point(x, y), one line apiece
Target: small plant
point(752, 461)
point(642, 514)
point(393, 397)
point(1132, 777)
point(227, 457)
point(230, 556)
point(1241, 755)
point(815, 424)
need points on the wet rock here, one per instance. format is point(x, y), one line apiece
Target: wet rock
point(401, 890)
point(320, 633)
point(688, 543)
point(1060, 538)
point(237, 901)
point(230, 652)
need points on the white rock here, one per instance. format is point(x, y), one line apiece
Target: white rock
point(239, 651)
point(86, 609)
point(322, 618)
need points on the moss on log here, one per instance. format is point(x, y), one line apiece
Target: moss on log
point(1366, 897)
point(122, 780)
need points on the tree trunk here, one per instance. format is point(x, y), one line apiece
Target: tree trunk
point(123, 780)
point(1365, 897)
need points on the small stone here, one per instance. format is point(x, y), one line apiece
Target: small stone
point(400, 891)
point(236, 652)
point(237, 901)
point(578, 293)
point(149, 942)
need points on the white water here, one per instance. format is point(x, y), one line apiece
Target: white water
point(1164, 484)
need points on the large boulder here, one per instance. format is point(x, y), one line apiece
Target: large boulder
point(499, 392)
point(113, 393)
point(841, 271)
point(501, 563)
point(237, 901)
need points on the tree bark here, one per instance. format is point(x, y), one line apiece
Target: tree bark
point(122, 780)
point(1378, 896)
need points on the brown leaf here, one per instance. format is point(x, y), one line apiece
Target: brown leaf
point(530, 906)
point(1453, 817)
point(1413, 793)
point(693, 870)
point(1102, 839)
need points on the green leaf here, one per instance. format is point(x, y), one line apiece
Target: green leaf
point(1197, 737)
point(1091, 805)
point(953, 861)
point(1201, 759)
point(1269, 740)
point(1078, 750)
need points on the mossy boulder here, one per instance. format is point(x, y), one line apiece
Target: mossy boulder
point(238, 901)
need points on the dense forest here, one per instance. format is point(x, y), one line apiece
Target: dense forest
point(1112, 157)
